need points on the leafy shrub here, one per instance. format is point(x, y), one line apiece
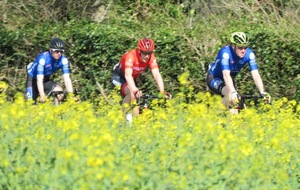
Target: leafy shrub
point(184, 42)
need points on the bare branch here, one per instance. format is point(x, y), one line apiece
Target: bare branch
point(102, 92)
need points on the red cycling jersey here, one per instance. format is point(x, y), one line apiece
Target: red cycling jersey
point(132, 60)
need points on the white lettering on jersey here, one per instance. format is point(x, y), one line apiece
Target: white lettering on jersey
point(154, 62)
point(116, 65)
point(64, 61)
point(29, 65)
point(217, 83)
point(225, 56)
point(116, 83)
point(252, 56)
point(42, 62)
point(129, 62)
point(138, 68)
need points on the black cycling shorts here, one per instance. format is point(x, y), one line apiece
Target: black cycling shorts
point(215, 84)
point(49, 85)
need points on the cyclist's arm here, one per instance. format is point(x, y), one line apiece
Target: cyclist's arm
point(257, 80)
point(228, 81)
point(40, 86)
point(157, 76)
point(68, 82)
point(129, 80)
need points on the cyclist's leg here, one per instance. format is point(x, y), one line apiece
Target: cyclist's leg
point(128, 98)
point(124, 90)
point(217, 86)
point(119, 82)
point(31, 88)
point(233, 109)
point(226, 96)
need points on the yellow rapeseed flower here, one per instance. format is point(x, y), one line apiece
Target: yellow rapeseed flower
point(99, 176)
point(125, 177)
point(183, 78)
point(185, 140)
point(3, 86)
point(5, 163)
point(94, 162)
point(247, 149)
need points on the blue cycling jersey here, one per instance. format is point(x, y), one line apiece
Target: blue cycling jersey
point(46, 65)
point(228, 60)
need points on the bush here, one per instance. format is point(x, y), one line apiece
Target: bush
point(184, 42)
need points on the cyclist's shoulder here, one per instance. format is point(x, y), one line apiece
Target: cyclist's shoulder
point(249, 50)
point(131, 56)
point(250, 54)
point(132, 52)
point(43, 54)
point(64, 60)
point(225, 52)
point(152, 63)
point(42, 58)
point(153, 57)
point(226, 48)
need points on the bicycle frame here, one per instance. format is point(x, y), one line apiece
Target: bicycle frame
point(56, 100)
point(144, 102)
point(235, 109)
point(64, 94)
point(243, 97)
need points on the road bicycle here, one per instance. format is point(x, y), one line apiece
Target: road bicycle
point(61, 96)
point(58, 97)
point(146, 101)
point(244, 99)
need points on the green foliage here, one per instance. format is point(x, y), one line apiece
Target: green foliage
point(19, 13)
point(280, 60)
point(188, 35)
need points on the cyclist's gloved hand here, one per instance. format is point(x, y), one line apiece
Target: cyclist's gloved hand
point(74, 96)
point(43, 99)
point(77, 99)
point(138, 93)
point(168, 95)
point(266, 97)
point(234, 97)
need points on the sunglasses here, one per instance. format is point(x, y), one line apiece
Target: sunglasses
point(58, 50)
point(240, 48)
point(146, 53)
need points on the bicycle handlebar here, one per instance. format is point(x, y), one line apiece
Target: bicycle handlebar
point(59, 92)
point(243, 97)
point(62, 92)
point(64, 95)
point(145, 100)
point(148, 96)
point(247, 96)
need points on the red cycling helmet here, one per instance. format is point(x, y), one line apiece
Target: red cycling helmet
point(146, 45)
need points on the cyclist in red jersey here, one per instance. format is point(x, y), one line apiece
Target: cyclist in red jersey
point(131, 65)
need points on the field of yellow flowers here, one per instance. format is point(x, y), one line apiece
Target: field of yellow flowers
point(182, 146)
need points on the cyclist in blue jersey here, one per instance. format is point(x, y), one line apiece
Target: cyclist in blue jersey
point(38, 81)
point(228, 63)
